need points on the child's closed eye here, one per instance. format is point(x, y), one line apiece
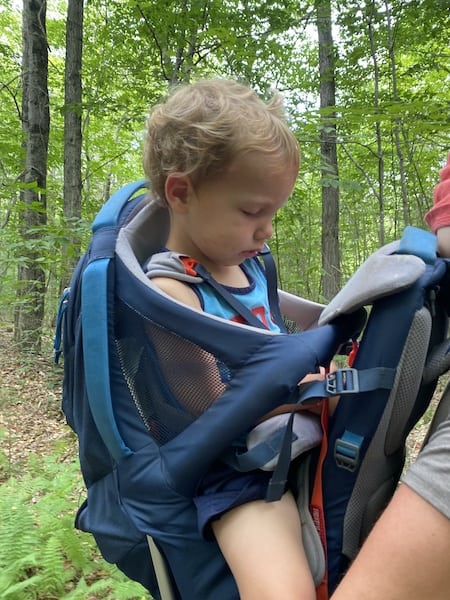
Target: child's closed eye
point(251, 212)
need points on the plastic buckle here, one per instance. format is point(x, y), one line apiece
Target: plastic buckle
point(347, 450)
point(343, 380)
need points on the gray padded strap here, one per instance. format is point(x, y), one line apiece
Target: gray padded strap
point(382, 274)
point(438, 362)
point(311, 540)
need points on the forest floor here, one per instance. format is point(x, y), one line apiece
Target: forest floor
point(31, 420)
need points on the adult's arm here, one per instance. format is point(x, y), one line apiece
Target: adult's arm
point(406, 556)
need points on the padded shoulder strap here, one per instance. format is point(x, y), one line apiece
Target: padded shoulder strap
point(272, 286)
point(391, 269)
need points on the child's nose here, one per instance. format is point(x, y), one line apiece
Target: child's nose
point(264, 231)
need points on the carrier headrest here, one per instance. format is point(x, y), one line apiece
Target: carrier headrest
point(147, 230)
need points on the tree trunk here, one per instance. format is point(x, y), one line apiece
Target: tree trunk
point(376, 101)
point(29, 312)
point(397, 120)
point(331, 276)
point(72, 135)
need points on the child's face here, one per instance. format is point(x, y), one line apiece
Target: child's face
point(230, 217)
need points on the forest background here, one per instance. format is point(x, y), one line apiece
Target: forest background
point(366, 87)
point(367, 92)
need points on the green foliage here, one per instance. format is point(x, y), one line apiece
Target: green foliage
point(42, 556)
point(4, 461)
point(133, 51)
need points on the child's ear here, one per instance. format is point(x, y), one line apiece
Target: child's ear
point(177, 188)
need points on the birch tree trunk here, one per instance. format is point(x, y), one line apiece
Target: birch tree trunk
point(29, 311)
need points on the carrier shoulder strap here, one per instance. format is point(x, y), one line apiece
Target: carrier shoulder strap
point(237, 305)
point(418, 247)
point(240, 308)
point(272, 286)
point(272, 292)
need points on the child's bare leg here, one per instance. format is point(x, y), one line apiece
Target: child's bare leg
point(262, 544)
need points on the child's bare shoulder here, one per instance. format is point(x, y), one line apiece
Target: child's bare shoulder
point(178, 290)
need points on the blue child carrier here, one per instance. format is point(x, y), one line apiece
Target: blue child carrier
point(151, 416)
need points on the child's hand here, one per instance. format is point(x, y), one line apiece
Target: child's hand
point(315, 407)
point(320, 376)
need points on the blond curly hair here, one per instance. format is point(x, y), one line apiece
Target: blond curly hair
point(201, 128)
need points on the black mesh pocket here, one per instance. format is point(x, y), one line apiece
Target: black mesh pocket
point(171, 379)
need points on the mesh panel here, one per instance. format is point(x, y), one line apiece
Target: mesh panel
point(407, 386)
point(291, 326)
point(171, 379)
point(194, 376)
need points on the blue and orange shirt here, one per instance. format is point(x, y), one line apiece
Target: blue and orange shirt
point(254, 296)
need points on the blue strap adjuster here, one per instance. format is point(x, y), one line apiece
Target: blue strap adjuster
point(347, 450)
point(62, 309)
point(342, 380)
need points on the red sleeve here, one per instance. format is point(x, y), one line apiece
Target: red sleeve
point(439, 215)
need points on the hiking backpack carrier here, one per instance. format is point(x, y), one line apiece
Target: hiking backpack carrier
point(151, 418)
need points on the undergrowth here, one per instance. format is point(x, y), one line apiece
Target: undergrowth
point(42, 556)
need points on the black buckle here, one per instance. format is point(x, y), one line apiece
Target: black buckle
point(343, 380)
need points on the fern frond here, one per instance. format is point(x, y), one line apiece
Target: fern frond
point(16, 591)
point(42, 556)
point(17, 535)
point(53, 569)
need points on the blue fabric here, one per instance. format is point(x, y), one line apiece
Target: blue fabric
point(254, 297)
point(383, 343)
point(419, 242)
point(223, 489)
point(150, 488)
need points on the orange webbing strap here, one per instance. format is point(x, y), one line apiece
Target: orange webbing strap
point(316, 505)
point(353, 352)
